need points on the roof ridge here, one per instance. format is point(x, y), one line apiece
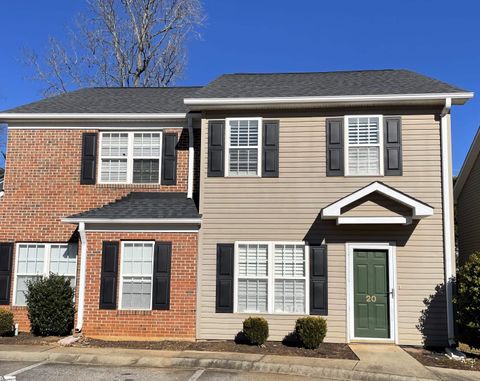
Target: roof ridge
point(318, 72)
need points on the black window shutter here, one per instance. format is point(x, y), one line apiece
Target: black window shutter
point(216, 148)
point(270, 149)
point(108, 283)
point(393, 146)
point(89, 158)
point(225, 265)
point(162, 263)
point(318, 280)
point(169, 159)
point(6, 260)
point(335, 165)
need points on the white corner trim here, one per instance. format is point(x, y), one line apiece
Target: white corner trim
point(90, 116)
point(467, 166)
point(83, 275)
point(419, 210)
point(326, 99)
point(392, 285)
point(133, 220)
point(374, 220)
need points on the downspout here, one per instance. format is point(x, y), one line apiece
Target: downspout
point(448, 229)
point(83, 272)
point(191, 153)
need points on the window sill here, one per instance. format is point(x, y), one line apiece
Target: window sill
point(134, 312)
point(124, 185)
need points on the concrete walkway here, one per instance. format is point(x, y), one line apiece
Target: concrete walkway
point(377, 362)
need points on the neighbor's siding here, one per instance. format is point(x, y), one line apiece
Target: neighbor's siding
point(468, 213)
point(288, 208)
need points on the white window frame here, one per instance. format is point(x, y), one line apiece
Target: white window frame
point(130, 157)
point(380, 145)
point(271, 277)
point(259, 150)
point(122, 275)
point(46, 263)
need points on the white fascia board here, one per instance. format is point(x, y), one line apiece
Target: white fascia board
point(4, 117)
point(134, 220)
point(326, 99)
point(374, 220)
point(419, 209)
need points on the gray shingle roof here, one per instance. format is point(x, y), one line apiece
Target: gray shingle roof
point(368, 82)
point(113, 100)
point(140, 205)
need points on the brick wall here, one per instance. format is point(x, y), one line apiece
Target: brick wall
point(177, 322)
point(42, 186)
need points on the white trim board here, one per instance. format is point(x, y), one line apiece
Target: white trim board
point(419, 209)
point(392, 280)
point(374, 220)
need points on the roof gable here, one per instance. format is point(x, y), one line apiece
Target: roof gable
point(467, 166)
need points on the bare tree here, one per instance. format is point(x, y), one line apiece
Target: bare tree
point(125, 43)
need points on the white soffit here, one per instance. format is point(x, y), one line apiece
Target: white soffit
point(334, 211)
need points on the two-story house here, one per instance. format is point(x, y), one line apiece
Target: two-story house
point(319, 193)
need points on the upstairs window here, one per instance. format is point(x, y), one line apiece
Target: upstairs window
point(243, 153)
point(364, 150)
point(130, 157)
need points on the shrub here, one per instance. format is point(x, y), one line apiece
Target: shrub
point(468, 301)
point(256, 330)
point(311, 331)
point(50, 306)
point(6, 322)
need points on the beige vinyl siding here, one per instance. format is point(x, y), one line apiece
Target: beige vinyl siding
point(376, 205)
point(288, 208)
point(468, 213)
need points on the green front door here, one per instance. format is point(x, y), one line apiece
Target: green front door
point(371, 307)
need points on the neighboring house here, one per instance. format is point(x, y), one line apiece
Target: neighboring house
point(319, 193)
point(467, 200)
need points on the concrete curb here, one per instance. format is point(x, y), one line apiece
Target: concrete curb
point(260, 366)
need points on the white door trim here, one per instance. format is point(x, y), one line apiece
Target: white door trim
point(392, 280)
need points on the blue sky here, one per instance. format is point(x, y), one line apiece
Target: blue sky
point(438, 38)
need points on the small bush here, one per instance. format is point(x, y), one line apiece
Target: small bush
point(6, 322)
point(256, 330)
point(311, 331)
point(50, 306)
point(468, 301)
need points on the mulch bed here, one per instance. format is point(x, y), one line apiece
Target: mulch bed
point(289, 348)
point(436, 357)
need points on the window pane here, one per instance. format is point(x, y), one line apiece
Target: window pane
point(63, 259)
point(114, 170)
point(252, 295)
point(31, 259)
point(243, 133)
point(290, 260)
point(363, 160)
point(137, 259)
point(253, 260)
point(290, 296)
point(145, 171)
point(146, 144)
point(243, 161)
point(363, 130)
point(136, 292)
point(114, 144)
point(22, 288)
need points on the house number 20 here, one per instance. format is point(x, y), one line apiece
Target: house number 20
point(371, 298)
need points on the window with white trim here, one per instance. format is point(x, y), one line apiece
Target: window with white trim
point(37, 260)
point(271, 277)
point(243, 153)
point(130, 157)
point(137, 275)
point(364, 147)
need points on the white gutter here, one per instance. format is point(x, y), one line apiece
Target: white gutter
point(108, 116)
point(448, 233)
point(133, 220)
point(83, 273)
point(191, 153)
point(326, 99)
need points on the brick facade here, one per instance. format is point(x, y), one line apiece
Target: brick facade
point(42, 186)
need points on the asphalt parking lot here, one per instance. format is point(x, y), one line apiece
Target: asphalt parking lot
point(25, 371)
